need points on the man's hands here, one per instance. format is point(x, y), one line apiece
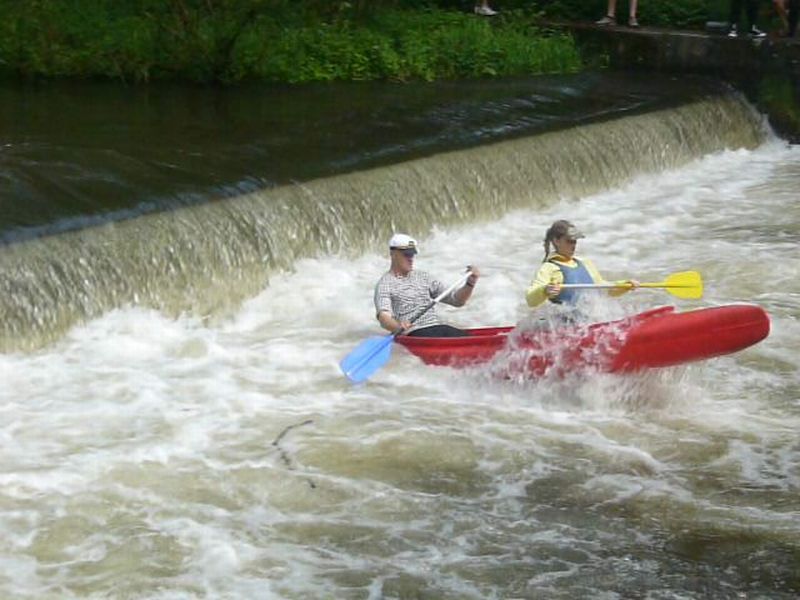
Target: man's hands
point(475, 274)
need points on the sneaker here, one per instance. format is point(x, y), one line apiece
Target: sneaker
point(607, 20)
point(732, 32)
point(632, 22)
point(755, 32)
point(485, 11)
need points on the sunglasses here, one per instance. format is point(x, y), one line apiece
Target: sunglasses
point(409, 253)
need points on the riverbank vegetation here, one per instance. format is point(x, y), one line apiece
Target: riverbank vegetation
point(778, 97)
point(295, 41)
point(272, 40)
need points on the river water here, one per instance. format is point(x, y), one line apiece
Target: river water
point(174, 424)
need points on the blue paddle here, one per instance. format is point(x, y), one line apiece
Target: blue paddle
point(371, 354)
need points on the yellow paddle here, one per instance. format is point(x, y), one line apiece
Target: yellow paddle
point(686, 284)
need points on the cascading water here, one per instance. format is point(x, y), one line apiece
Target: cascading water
point(209, 258)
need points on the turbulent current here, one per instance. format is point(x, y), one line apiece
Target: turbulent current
point(174, 423)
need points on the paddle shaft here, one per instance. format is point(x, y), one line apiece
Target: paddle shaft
point(610, 286)
point(686, 284)
point(434, 302)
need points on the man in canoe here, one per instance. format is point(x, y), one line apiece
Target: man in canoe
point(560, 266)
point(403, 292)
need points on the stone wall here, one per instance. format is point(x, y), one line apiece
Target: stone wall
point(766, 70)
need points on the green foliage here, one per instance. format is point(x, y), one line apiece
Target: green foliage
point(675, 13)
point(781, 100)
point(399, 45)
point(272, 40)
point(311, 40)
point(72, 38)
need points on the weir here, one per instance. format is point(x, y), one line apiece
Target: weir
point(207, 259)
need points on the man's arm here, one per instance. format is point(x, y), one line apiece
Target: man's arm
point(460, 296)
point(389, 323)
point(464, 293)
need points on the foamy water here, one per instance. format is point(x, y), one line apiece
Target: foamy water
point(150, 457)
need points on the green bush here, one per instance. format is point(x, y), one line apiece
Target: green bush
point(399, 45)
point(271, 40)
point(779, 98)
point(291, 41)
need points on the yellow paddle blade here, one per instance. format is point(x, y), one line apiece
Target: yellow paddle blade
point(686, 284)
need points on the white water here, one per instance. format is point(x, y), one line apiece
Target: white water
point(149, 457)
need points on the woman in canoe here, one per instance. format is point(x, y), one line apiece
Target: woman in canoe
point(561, 266)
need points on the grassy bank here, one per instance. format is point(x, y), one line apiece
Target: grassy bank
point(271, 40)
point(295, 41)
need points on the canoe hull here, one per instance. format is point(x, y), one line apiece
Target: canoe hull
point(657, 338)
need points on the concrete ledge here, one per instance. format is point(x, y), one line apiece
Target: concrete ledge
point(744, 62)
point(689, 51)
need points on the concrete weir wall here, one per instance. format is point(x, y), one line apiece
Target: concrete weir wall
point(766, 70)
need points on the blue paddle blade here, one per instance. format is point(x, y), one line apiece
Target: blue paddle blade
point(369, 356)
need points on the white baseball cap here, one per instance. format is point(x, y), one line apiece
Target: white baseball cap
point(401, 241)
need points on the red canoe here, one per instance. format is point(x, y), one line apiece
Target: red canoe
point(657, 338)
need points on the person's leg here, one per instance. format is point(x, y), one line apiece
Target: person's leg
point(610, 18)
point(439, 331)
point(484, 9)
point(736, 10)
point(733, 17)
point(780, 10)
point(794, 9)
point(751, 8)
point(632, 20)
point(752, 16)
